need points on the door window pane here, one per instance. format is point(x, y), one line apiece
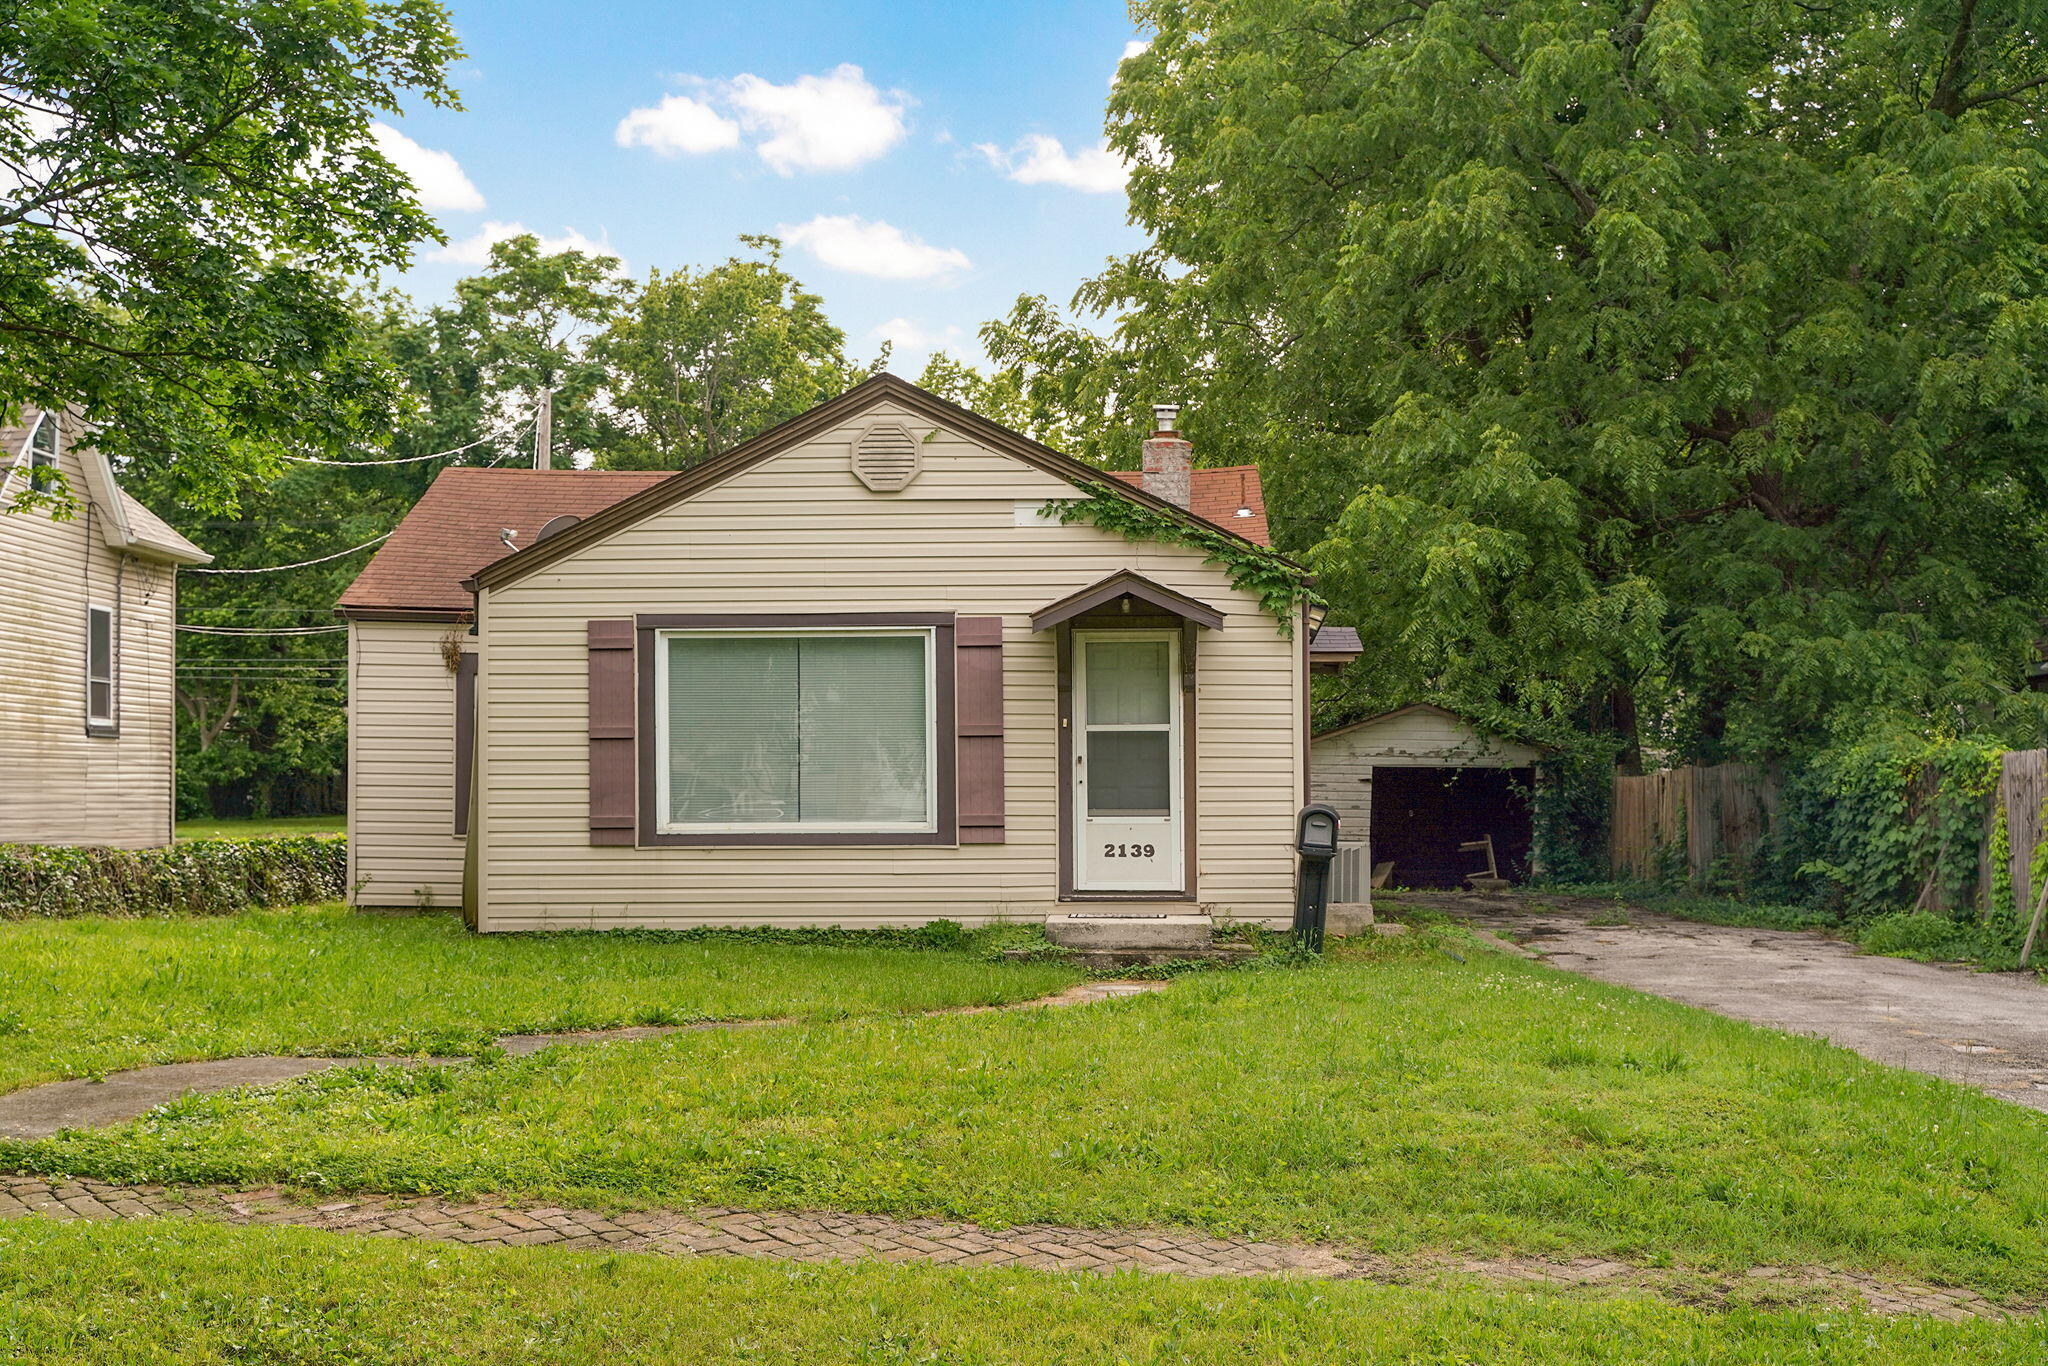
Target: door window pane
point(1127, 683)
point(1129, 773)
point(819, 730)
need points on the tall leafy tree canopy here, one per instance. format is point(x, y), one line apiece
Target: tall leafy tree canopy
point(706, 358)
point(180, 185)
point(262, 686)
point(1674, 367)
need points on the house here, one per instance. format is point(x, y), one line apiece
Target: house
point(1416, 784)
point(86, 646)
point(846, 673)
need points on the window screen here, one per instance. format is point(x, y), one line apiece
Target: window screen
point(831, 731)
point(99, 664)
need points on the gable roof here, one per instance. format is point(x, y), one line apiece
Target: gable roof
point(823, 418)
point(1444, 712)
point(452, 532)
point(125, 524)
point(1216, 495)
point(1127, 583)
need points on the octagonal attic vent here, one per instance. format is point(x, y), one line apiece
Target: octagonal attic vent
point(886, 457)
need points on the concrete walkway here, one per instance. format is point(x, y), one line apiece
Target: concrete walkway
point(862, 1237)
point(40, 1111)
point(1983, 1029)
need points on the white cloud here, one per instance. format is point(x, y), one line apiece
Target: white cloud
point(1135, 46)
point(832, 122)
point(851, 243)
point(908, 337)
point(1041, 160)
point(437, 176)
point(475, 249)
point(678, 124)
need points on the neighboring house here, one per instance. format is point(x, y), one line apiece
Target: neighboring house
point(1415, 783)
point(87, 603)
point(845, 673)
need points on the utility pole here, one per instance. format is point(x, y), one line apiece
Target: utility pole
point(544, 431)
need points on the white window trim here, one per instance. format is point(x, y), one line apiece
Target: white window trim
point(24, 462)
point(929, 825)
point(113, 667)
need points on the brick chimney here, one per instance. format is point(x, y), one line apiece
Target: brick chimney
point(1169, 458)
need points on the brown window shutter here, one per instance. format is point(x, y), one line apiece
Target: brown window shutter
point(612, 813)
point(465, 737)
point(978, 702)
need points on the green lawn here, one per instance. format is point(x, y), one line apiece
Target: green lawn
point(181, 1292)
point(80, 998)
point(262, 828)
point(1397, 1098)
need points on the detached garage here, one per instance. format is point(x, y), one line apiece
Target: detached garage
point(1417, 783)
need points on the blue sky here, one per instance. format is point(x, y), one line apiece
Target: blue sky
point(926, 162)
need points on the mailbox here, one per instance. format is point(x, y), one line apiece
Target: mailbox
point(1315, 832)
point(1315, 839)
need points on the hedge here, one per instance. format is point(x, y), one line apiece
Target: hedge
point(202, 877)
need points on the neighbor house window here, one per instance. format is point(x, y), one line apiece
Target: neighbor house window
point(823, 730)
point(99, 666)
point(42, 453)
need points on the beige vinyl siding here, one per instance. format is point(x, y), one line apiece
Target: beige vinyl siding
point(59, 785)
point(402, 845)
point(799, 533)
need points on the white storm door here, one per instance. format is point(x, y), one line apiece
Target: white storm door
point(1127, 762)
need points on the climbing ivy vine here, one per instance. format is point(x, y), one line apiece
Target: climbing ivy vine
point(1903, 821)
point(1280, 585)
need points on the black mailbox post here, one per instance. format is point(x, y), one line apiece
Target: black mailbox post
point(1315, 839)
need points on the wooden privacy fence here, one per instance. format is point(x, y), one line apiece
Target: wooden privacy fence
point(2022, 786)
point(1709, 812)
point(1724, 811)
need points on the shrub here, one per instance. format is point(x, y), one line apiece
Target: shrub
point(203, 877)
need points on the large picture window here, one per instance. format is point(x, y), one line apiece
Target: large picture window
point(825, 730)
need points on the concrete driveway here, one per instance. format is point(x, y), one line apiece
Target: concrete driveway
point(1983, 1029)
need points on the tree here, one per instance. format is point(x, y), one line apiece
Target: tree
point(704, 359)
point(180, 185)
point(1675, 370)
point(527, 324)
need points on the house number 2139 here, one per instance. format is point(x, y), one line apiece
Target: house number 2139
point(1127, 851)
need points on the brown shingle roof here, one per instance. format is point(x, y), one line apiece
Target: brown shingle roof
point(453, 530)
point(1217, 495)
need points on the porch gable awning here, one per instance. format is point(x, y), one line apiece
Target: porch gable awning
point(1127, 584)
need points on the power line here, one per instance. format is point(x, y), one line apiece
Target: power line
point(304, 564)
point(274, 568)
point(258, 631)
point(410, 459)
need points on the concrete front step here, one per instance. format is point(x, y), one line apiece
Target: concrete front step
point(1129, 928)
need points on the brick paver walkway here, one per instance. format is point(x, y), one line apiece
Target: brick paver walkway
point(857, 1237)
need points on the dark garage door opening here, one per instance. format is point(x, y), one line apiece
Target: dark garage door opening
point(1421, 815)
